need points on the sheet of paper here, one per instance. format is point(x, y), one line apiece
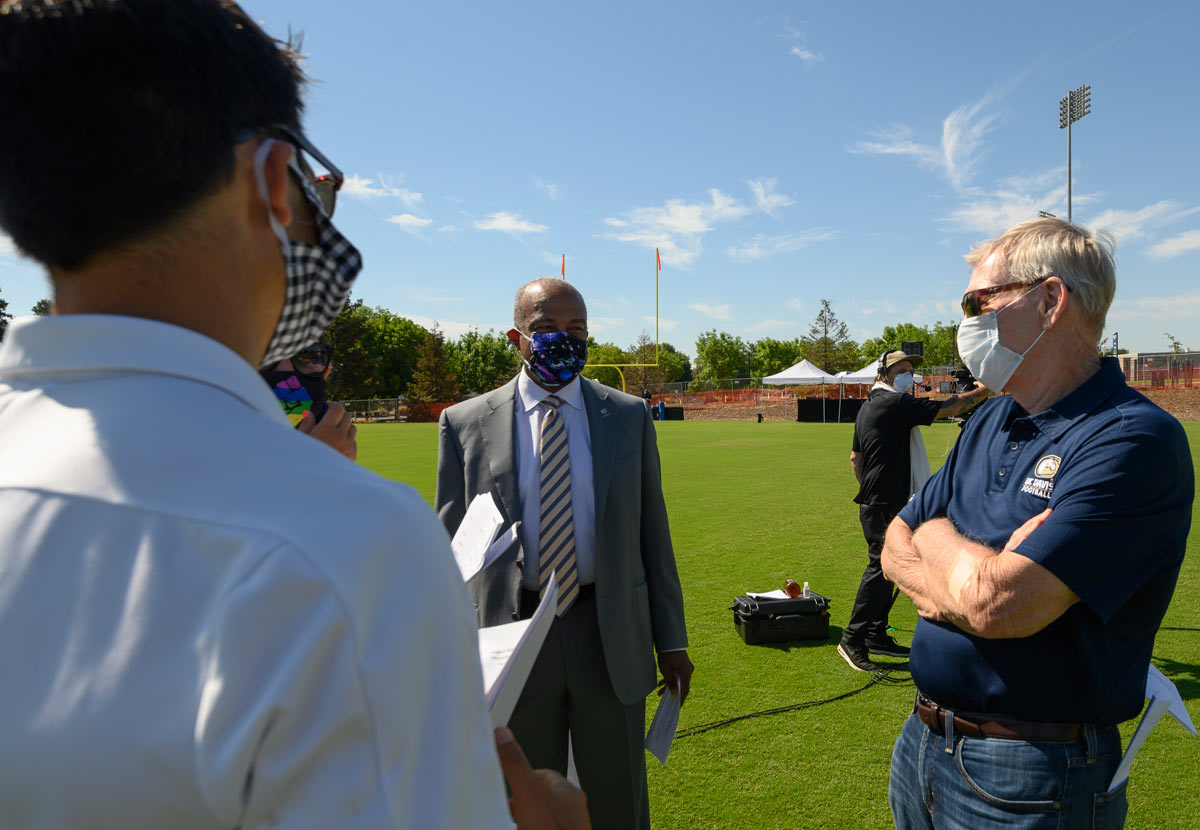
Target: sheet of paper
point(1164, 698)
point(507, 653)
point(661, 733)
point(475, 534)
point(502, 543)
point(778, 593)
point(1158, 686)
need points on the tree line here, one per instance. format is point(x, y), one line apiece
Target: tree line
point(379, 354)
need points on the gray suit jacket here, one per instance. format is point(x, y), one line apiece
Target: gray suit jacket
point(638, 597)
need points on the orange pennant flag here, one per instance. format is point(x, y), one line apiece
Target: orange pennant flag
point(564, 268)
point(657, 259)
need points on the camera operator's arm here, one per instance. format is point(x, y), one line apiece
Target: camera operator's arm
point(956, 404)
point(989, 594)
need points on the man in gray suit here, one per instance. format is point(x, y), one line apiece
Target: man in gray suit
point(577, 464)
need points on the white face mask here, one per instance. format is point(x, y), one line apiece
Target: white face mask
point(989, 360)
point(903, 382)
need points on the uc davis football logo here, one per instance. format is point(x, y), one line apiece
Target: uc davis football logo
point(1047, 466)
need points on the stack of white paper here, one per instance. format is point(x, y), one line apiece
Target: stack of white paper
point(476, 544)
point(507, 653)
point(661, 733)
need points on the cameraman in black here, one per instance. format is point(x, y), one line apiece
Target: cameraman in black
point(890, 464)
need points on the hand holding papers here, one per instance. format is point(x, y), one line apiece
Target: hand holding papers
point(661, 733)
point(1164, 698)
point(475, 544)
point(507, 653)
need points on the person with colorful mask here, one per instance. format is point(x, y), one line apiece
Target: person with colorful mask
point(298, 383)
point(1041, 557)
point(576, 464)
point(207, 620)
point(889, 462)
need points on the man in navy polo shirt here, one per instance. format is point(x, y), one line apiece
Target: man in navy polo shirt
point(1041, 557)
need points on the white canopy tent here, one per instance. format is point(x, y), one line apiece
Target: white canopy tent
point(803, 374)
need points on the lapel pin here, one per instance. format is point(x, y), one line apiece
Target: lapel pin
point(603, 411)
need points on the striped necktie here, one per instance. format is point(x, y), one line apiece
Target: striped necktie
point(556, 551)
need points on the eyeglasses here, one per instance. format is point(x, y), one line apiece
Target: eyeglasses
point(314, 360)
point(325, 185)
point(970, 302)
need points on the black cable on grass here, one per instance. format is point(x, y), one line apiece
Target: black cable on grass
point(879, 676)
point(1176, 628)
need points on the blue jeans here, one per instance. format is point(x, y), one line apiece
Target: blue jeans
point(954, 783)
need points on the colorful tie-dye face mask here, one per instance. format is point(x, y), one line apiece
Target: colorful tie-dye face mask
point(297, 393)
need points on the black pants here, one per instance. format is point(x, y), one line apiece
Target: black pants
point(869, 617)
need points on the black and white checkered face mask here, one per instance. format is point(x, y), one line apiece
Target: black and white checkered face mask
point(318, 276)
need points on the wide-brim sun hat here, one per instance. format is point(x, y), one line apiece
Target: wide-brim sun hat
point(895, 356)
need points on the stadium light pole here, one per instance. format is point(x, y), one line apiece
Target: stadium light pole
point(1076, 104)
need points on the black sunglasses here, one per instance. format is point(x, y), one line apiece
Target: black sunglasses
point(325, 186)
point(313, 360)
point(970, 302)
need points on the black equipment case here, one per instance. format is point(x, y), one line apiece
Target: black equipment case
point(780, 620)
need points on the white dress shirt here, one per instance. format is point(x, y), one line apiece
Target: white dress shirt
point(529, 416)
point(209, 620)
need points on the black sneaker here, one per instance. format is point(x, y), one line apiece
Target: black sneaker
point(886, 646)
point(856, 656)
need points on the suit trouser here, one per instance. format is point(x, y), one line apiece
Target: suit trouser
point(569, 691)
point(869, 616)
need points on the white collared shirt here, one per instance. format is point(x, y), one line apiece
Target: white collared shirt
point(529, 416)
point(209, 620)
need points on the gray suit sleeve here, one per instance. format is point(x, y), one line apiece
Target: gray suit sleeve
point(450, 500)
point(658, 555)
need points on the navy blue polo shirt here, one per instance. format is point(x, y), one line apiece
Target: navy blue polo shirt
point(1118, 474)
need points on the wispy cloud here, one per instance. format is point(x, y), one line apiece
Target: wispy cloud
point(773, 325)
point(677, 227)
point(799, 47)
point(549, 188)
point(765, 197)
point(449, 229)
point(597, 325)
point(1133, 224)
point(454, 329)
point(1014, 200)
point(716, 312)
point(955, 157)
point(508, 222)
point(362, 187)
point(795, 304)
point(1178, 310)
point(760, 246)
point(408, 222)
point(663, 323)
point(1176, 245)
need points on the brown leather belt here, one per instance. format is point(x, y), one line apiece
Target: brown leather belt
point(995, 726)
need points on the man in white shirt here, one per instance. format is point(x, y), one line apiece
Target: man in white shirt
point(577, 464)
point(187, 643)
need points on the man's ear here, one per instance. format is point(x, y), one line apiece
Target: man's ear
point(274, 175)
point(1055, 304)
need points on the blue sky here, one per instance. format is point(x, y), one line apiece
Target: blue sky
point(777, 153)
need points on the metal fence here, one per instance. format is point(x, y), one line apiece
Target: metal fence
point(1160, 370)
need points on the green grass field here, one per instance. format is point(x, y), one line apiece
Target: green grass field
point(751, 505)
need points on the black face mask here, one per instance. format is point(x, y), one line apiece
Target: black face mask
point(297, 393)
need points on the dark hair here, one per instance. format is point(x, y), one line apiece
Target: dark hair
point(121, 114)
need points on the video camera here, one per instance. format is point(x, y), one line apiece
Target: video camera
point(964, 381)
